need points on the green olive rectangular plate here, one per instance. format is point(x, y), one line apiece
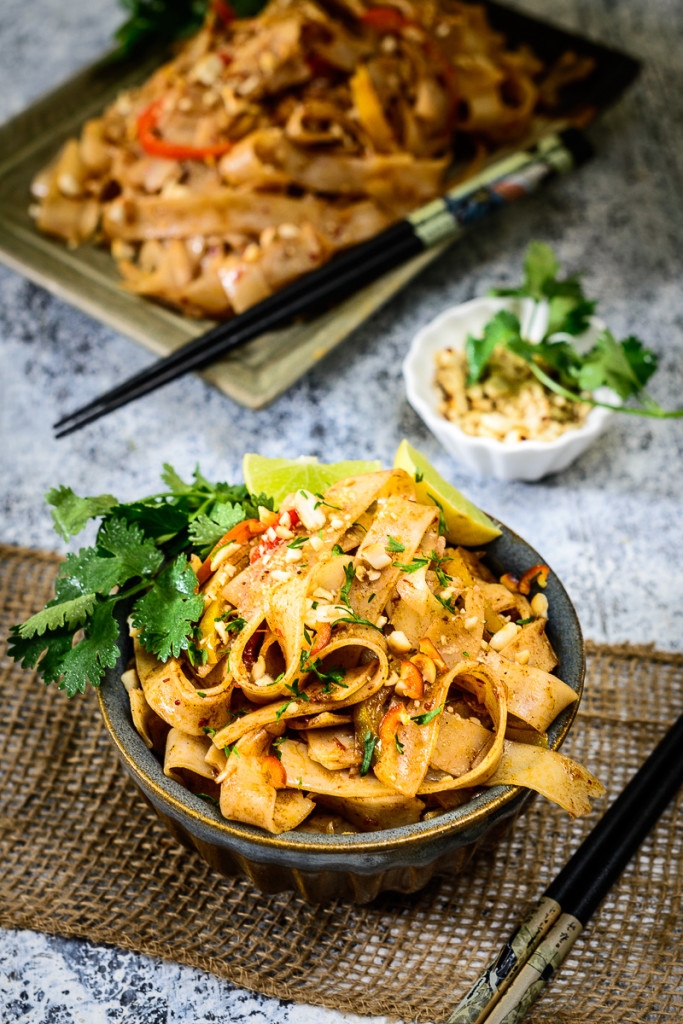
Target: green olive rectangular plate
point(87, 277)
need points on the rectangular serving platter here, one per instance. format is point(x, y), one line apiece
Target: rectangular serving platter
point(87, 277)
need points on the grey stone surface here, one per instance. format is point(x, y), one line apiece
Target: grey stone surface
point(610, 526)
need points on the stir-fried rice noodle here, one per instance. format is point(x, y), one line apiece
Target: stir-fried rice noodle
point(268, 144)
point(356, 671)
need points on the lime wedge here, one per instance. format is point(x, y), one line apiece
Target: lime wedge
point(465, 523)
point(279, 477)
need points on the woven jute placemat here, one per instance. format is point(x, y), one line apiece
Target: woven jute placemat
point(81, 854)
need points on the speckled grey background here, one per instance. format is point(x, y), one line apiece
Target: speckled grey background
point(610, 526)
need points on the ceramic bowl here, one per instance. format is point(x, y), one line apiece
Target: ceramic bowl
point(506, 460)
point(354, 867)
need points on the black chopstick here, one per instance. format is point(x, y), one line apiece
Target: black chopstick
point(532, 954)
point(507, 179)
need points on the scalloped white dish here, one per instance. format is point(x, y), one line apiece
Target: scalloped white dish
point(506, 460)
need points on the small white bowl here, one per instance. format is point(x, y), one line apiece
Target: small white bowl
point(506, 460)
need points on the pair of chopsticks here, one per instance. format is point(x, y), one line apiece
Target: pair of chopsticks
point(516, 978)
point(442, 220)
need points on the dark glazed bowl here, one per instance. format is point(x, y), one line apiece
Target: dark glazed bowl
point(352, 867)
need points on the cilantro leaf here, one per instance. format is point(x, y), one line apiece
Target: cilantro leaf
point(394, 545)
point(207, 529)
point(72, 613)
point(88, 573)
point(136, 554)
point(154, 519)
point(625, 366)
point(174, 481)
point(86, 661)
point(166, 614)
point(46, 650)
point(500, 329)
point(71, 513)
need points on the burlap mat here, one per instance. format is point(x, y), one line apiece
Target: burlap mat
point(81, 854)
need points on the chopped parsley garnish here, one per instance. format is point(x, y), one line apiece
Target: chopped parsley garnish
point(419, 476)
point(443, 528)
point(295, 691)
point(525, 622)
point(276, 747)
point(448, 603)
point(464, 654)
point(281, 710)
point(369, 744)
point(336, 550)
point(208, 730)
point(200, 694)
point(399, 746)
point(349, 576)
point(298, 542)
point(394, 545)
point(329, 677)
point(232, 622)
point(321, 501)
point(231, 750)
point(209, 799)
point(417, 563)
point(427, 717)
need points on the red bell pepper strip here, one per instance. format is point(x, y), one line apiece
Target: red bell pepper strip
point(413, 683)
point(536, 574)
point(388, 727)
point(156, 146)
point(224, 10)
point(322, 639)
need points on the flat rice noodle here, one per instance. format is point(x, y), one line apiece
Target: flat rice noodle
point(350, 642)
point(334, 748)
point(314, 778)
point(189, 753)
point(219, 212)
point(459, 743)
point(404, 521)
point(560, 779)
point(405, 769)
point(285, 614)
point(271, 158)
point(500, 599)
point(351, 497)
point(451, 637)
point(532, 638)
point(238, 668)
point(363, 681)
point(322, 721)
point(171, 694)
point(535, 696)
point(146, 721)
point(247, 796)
point(491, 693)
point(375, 813)
point(416, 608)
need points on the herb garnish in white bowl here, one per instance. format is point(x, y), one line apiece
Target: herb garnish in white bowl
point(526, 377)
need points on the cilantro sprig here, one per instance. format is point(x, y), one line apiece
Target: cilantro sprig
point(140, 557)
point(623, 366)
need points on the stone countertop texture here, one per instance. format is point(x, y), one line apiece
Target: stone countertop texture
point(610, 525)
